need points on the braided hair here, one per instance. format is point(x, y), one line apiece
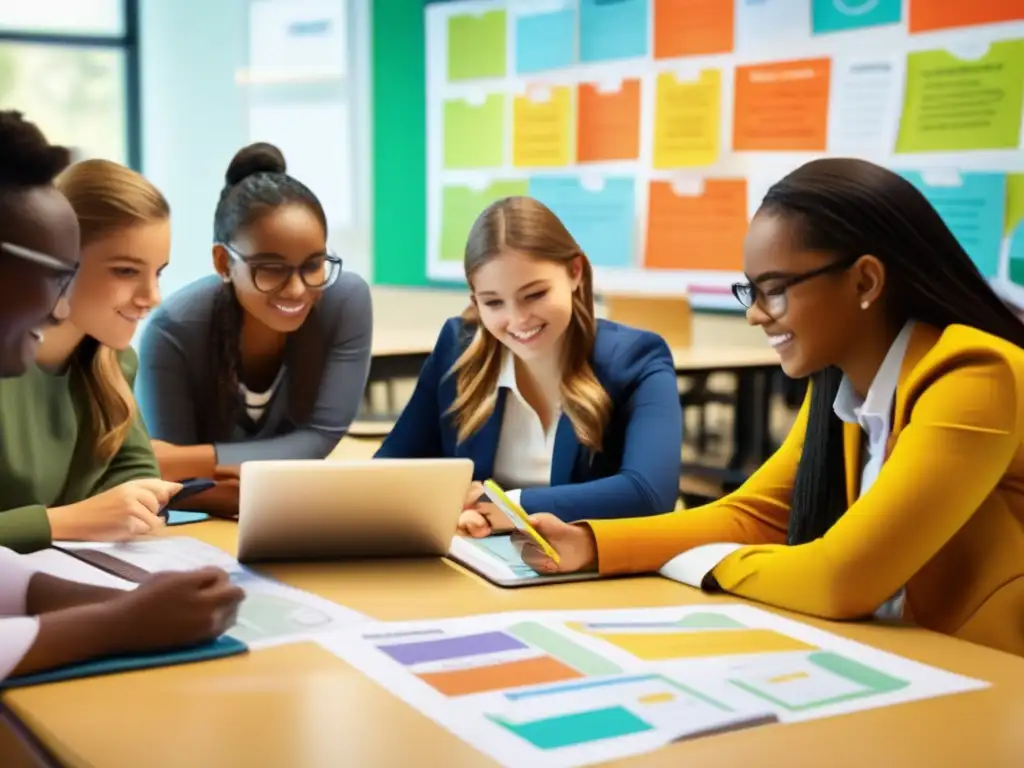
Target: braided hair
point(847, 206)
point(256, 183)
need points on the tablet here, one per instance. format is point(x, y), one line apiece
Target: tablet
point(321, 509)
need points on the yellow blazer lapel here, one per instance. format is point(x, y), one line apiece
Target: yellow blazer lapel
point(851, 457)
point(922, 339)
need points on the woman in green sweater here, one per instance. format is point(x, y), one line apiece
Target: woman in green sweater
point(75, 458)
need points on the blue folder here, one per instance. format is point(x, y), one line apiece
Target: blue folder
point(219, 648)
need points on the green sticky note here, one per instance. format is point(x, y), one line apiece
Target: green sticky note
point(954, 104)
point(474, 135)
point(476, 46)
point(460, 207)
point(1014, 202)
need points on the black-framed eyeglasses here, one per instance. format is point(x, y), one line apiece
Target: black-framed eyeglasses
point(268, 276)
point(62, 273)
point(774, 301)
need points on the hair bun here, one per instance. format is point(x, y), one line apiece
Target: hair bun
point(26, 157)
point(260, 157)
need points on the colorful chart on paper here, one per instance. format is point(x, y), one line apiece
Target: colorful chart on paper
point(607, 106)
point(561, 689)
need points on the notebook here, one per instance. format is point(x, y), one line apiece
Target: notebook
point(496, 559)
point(220, 648)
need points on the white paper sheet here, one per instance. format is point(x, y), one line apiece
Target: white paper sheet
point(867, 96)
point(559, 689)
point(271, 614)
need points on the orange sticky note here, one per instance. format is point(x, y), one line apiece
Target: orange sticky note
point(782, 106)
point(699, 231)
point(930, 15)
point(542, 132)
point(608, 122)
point(693, 27)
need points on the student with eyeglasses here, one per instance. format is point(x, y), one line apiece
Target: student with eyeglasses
point(899, 491)
point(45, 621)
point(268, 358)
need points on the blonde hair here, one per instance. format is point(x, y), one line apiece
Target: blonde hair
point(108, 197)
point(526, 225)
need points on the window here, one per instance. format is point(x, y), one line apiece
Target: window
point(306, 88)
point(70, 66)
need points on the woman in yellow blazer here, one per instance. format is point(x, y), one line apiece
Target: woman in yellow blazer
point(900, 489)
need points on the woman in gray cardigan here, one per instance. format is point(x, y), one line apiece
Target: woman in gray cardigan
point(267, 359)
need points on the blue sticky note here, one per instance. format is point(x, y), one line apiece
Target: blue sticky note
point(973, 210)
point(545, 41)
point(839, 15)
point(601, 219)
point(613, 29)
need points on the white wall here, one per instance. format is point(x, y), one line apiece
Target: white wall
point(195, 116)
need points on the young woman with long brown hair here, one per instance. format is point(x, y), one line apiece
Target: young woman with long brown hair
point(89, 471)
point(48, 622)
point(577, 416)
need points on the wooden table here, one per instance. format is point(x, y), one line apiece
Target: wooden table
point(301, 707)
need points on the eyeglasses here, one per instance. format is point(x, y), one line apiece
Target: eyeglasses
point(62, 273)
point(316, 272)
point(774, 302)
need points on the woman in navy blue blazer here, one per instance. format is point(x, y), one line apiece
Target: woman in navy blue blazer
point(578, 417)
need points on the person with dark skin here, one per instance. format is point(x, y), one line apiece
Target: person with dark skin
point(899, 492)
point(45, 621)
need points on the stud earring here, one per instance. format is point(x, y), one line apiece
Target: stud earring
point(865, 304)
point(225, 279)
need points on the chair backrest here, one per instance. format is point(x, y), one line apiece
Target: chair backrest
point(669, 316)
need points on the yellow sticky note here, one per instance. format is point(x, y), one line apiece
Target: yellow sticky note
point(687, 120)
point(1014, 202)
point(954, 104)
point(542, 128)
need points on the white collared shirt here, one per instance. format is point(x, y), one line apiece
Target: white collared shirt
point(523, 458)
point(874, 415)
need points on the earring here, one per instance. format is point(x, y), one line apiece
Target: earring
point(865, 304)
point(225, 278)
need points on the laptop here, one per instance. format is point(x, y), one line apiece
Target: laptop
point(319, 509)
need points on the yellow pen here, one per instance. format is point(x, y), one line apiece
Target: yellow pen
point(517, 516)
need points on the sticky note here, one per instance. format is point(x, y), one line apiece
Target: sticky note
point(608, 121)
point(696, 231)
point(541, 131)
point(599, 215)
point(474, 133)
point(840, 15)
point(476, 46)
point(460, 207)
point(930, 15)
point(687, 119)
point(864, 112)
point(693, 27)
point(782, 106)
point(766, 27)
point(973, 209)
point(612, 29)
point(955, 104)
point(545, 41)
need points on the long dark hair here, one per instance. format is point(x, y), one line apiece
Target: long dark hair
point(257, 183)
point(847, 207)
